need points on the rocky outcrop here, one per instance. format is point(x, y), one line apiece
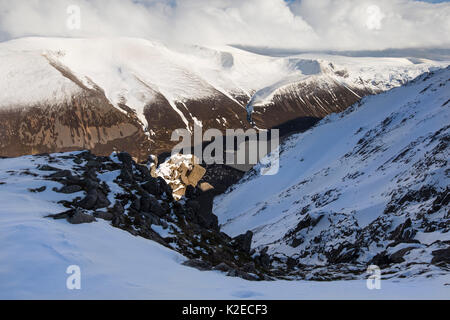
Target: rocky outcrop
point(143, 206)
point(181, 172)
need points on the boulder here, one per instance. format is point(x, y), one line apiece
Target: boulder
point(38, 190)
point(70, 189)
point(126, 159)
point(205, 186)
point(195, 175)
point(60, 174)
point(79, 217)
point(198, 264)
point(118, 209)
point(104, 215)
point(152, 186)
point(89, 184)
point(126, 176)
point(244, 241)
point(183, 170)
point(150, 204)
point(222, 267)
point(89, 201)
point(102, 200)
point(441, 256)
point(242, 274)
point(190, 192)
point(397, 257)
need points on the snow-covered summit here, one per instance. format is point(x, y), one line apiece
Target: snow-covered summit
point(135, 71)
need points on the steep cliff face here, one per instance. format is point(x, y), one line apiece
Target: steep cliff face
point(131, 94)
point(89, 121)
point(315, 98)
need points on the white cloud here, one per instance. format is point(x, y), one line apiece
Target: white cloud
point(305, 24)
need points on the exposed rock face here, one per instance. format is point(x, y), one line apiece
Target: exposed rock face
point(307, 100)
point(244, 241)
point(89, 121)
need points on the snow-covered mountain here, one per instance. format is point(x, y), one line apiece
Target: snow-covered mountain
point(130, 94)
point(369, 185)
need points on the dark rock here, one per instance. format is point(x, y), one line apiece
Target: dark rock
point(244, 241)
point(145, 203)
point(203, 214)
point(102, 200)
point(397, 257)
point(89, 201)
point(442, 200)
point(152, 186)
point(69, 189)
point(191, 192)
point(151, 219)
point(381, 260)
point(345, 253)
point(441, 256)
point(136, 205)
point(264, 260)
point(249, 267)
point(296, 242)
point(198, 264)
point(46, 167)
point(150, 204)
point(306, 222)
point(126, 176)
point(241, 274)
point(60, 174)
point(38, 190)
point(79, 217)
point(73, 180)
point(165, 188)
point(104, 215)
point(222, 267)
point(291, 263)
point(403, 232)
point(156, 208)
point(194, 205)
point(93, 164)
point(62, 215)
point(126, 159)
point(118, 209)
point(143, 170)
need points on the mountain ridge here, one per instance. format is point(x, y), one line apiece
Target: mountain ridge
point(369, 185)
point(159, 89)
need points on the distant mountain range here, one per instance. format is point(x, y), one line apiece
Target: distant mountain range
point(130, 94)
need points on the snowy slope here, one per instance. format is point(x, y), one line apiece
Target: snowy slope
point(35, 253)
point(370, 181)
point(135, 71)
